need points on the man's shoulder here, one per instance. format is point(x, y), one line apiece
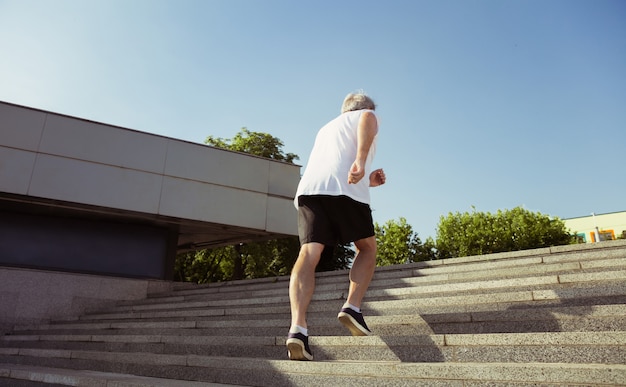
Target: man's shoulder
point(359, 112)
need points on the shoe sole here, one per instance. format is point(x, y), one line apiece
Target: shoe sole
point(296, 351)
point(349, 322)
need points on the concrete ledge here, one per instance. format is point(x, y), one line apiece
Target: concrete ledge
point(35, 296)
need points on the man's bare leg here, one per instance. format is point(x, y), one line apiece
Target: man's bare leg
point(301, 287)
point(361, 275)
point(362, 270)
point(302, 282)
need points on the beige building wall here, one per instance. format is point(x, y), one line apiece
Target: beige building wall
point(609, 226)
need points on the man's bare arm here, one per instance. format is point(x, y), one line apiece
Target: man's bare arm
point(367, 131)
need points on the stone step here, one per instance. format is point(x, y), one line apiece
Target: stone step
point(483, 299)
point(375, 308)
point(450, 315)
point(570, 325)
point(503, 313)
point(419, 269)
point(401, 277)
point(13, 375)
point(410, 279)
point(585, 254)
point(428, 305)
point(499, 273)
point(564, 347)
point(263, 372)
point(514, 319)
point(485, 286)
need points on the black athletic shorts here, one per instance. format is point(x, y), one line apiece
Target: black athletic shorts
point(333, 219)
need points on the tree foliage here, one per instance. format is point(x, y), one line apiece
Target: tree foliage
point(254, 143)
point(398, 243)
point(250, 260)
point(464, 234)
point(253, 260)
point(203, 266)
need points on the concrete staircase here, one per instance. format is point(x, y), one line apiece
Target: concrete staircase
point(548, 317)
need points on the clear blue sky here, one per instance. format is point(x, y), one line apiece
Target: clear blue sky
point(492, 104)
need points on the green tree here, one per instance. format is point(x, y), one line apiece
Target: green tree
point(203, 266)
point(254, 143)
point(250, 260)
point(428, 250)
point(262, 259)
point(398, 243)
point(463, 234)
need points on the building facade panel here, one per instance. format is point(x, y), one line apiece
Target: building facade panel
point(16, 168)
point(21, 128)
point(217, 166)
point(282, 217)
point(283, 179)
point(89, 183)
point(212, 203)
point(90, 141)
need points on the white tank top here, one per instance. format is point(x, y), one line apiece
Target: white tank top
point(332, 156)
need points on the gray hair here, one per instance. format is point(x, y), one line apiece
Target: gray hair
point(357, 101)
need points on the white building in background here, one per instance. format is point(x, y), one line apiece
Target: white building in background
point(598, 227)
